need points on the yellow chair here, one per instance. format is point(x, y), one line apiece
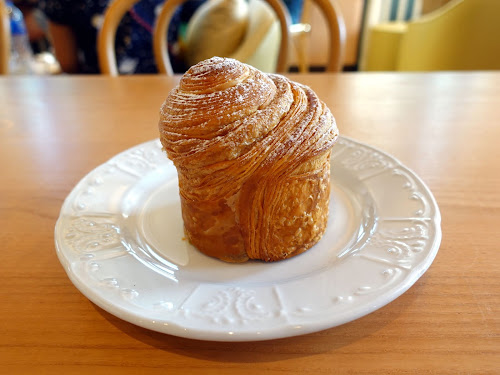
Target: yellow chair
point(4, 38)
point(462, 35)
point(118, 8)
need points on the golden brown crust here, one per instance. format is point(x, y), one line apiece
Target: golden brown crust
point(252, 151)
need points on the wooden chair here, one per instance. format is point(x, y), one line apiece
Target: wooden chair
point(160, 43)
point(336, 30)
point(118, 8)
point(107, 34)
point(4, 38)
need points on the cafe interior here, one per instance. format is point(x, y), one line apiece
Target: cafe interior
point(320, 36)
point(250, 186)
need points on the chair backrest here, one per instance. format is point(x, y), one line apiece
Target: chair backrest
point(463, 35)
point(118, 8)
point(107, 34)
point(165, 16)
point(336, 35)
point(4, 38)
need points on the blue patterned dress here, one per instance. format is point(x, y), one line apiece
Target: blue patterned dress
point(134, 53)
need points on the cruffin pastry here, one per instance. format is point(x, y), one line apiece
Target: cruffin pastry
point(252, 152)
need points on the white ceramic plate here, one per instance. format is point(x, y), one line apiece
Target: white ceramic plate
point(120, 238)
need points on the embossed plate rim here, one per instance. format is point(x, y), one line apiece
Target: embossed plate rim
point(134, 315)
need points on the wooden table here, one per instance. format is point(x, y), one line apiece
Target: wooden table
point(445, 126)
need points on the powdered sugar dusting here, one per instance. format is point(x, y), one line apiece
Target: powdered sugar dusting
point(223, 109)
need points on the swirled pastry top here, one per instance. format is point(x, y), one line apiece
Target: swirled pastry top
point(225, 114)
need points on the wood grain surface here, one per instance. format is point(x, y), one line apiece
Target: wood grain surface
point(444, 126)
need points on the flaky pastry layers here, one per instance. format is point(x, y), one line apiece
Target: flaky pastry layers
point(252, 151)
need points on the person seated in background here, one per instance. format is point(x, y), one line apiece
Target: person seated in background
point(74, 24)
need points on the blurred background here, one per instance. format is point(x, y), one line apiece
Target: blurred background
point(60, 36)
